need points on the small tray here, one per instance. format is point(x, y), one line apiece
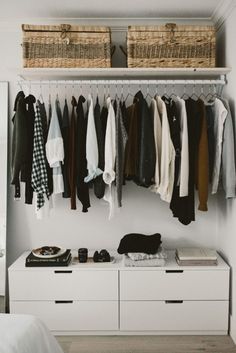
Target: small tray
point(38, 252)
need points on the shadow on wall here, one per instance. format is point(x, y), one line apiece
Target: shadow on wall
point(220, 48)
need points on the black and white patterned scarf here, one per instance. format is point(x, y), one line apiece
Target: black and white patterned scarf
point(39, 179)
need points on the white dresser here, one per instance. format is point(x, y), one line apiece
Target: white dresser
point(113, 299)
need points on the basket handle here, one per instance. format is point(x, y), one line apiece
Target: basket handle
point(64, 29)
point(171, 27)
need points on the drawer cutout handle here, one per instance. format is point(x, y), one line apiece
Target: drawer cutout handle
point(174, 301)
point(63, 301)
point(174, 271)
point(61, 271)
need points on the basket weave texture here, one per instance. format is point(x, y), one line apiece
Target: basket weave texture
point(171, 45)
point(66, 46)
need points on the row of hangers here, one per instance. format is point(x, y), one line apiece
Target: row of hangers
point(211, 94)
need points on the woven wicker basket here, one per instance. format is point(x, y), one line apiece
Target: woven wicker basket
point(171, 45)
point(66, 46)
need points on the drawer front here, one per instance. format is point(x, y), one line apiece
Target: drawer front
point(72, 316)
point(185, 285)
point(185, 316)
point(63, 285)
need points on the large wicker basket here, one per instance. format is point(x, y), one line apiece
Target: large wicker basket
point(171, 45)
point(66, 46)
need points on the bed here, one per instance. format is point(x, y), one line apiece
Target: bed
point(25, 334)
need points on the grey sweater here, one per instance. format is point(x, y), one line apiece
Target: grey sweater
point(228, 155)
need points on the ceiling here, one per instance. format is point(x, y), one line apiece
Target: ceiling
point(16, 9)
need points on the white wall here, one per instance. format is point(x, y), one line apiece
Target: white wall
point(226, 234)
point(3, 182)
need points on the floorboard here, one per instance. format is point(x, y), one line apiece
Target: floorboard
point(147, 344)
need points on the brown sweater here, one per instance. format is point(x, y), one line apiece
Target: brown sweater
point(202, 177)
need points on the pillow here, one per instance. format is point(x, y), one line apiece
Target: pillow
point(135, 242)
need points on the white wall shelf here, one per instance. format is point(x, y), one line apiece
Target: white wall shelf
point(121, 73)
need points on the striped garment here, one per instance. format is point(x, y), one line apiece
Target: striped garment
point(39, 179)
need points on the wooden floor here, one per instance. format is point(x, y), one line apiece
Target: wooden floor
point(146, 344)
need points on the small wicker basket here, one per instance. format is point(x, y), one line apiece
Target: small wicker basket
point(171, 45)
point(66, 46)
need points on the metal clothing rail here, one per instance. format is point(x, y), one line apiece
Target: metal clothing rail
point(123, 82)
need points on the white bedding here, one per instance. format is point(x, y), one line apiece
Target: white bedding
point(25, 334)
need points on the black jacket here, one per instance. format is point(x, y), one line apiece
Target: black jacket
point(81, 162)
point(99, 185)
point(146, 144)
point(22, 144)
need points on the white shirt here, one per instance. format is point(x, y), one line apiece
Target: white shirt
point(184, 161)
point(110, 157)
point(219, 120)
point(91, 146)
point(167, 155)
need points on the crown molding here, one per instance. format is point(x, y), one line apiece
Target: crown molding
point(222, 12)
point(116, 24)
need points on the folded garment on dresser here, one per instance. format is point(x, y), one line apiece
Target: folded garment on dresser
point(135, 242)
point(137, 256)
point(143, 263)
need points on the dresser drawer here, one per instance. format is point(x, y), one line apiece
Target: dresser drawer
point(72, 316)
point(183, 285)
point(174, 316)
point(63, 285)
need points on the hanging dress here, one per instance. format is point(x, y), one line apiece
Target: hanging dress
point(81, 162)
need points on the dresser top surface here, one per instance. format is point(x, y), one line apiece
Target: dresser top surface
point(118, 264)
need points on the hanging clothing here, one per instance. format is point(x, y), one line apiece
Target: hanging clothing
point(19, 141)
point(91, 146)
point(72, 154)
point(220, 114)
point(202, 174)
point(146, 144)
point(121, 140)
point(104, 116)
point(49, 110)
point(125, 119)
point(167, 155)
point(131, 153)
point(65, 137)
point(30, 100)
point(110, 157)
point(228, 155)
point(55, 151)
point(39, 171)
point(157, 137)
point(43, 116)
point(184, 160)
point(210, 138)
point(59, 113)
point(81, 163)
point(99, 185)
point(186, 205)
point(175, 132)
